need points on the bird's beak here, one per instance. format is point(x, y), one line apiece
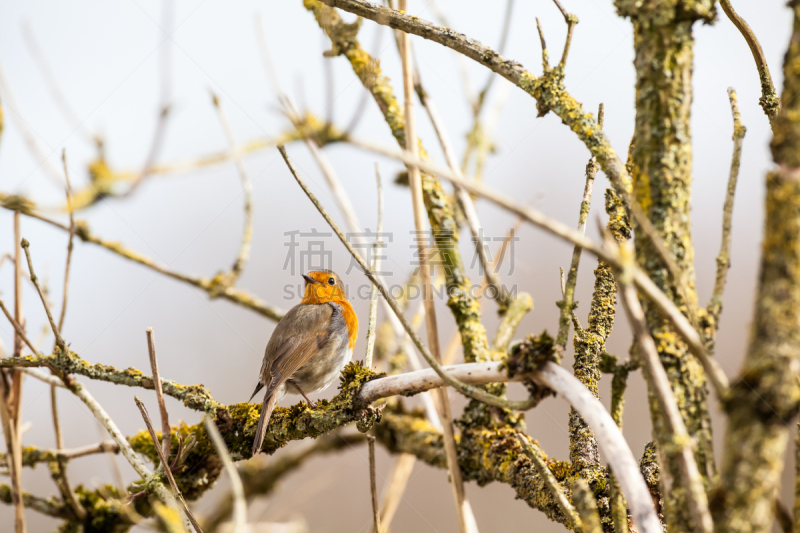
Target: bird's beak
point(309, 279)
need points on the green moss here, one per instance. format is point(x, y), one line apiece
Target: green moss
point(238, 422)
point(103, 514)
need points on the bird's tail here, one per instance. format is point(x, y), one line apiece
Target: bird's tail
point(263, 421)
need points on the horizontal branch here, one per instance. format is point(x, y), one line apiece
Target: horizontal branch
point(195, 397)
point(214, 287)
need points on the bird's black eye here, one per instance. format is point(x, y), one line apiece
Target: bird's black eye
point(331, 281)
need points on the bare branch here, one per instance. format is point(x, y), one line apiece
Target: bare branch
point(70, 243)
point(35, 280)
point(19, 331)
point(166, 430)
point(545, 58)
point(415, 180)
point(723, 259)
point(373, 488)
point(247, 189)
point(373, 291)
point(610, 439)
point(464, 199)
point(231, 294)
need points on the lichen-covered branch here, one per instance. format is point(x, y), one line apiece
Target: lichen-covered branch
point(662, 160)
point(214, 287)
point(589, 343)
point(764, 401)
point(548, 90)
point(769, 100)
point(194, 397)
point(48, 506)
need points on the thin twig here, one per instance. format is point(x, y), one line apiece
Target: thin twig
point(769, 101)
point(373, 291)
point(70, 243)
point(642, 281)
point(504, 32)
point(247, 189)
point(568, 286)
point(124, 446)
point(420, 224)
point(464, 199)
point(239, 502)
point(724, 258)
point(545, 58)
point(373, 486)
point(660, 386)
point(166, 430)
point(61, 464)
point(536, 456)
point(35, 280)
point(18, 330)
point(9, 428)
point(571, 21)
point(165, 95)
point(165, 467)
point(13, 398)
point(41, 155)
point(558, 99)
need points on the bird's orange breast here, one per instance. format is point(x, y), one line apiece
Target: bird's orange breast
point(351, 320)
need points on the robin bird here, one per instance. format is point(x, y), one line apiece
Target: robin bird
point(309, 347)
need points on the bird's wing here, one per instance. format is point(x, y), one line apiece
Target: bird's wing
point(293, 344)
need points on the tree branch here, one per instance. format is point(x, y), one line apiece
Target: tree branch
point(548, 90)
